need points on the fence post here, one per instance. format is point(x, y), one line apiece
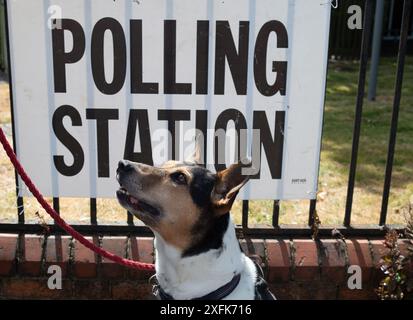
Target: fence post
point(376, 48)
point(396, 106)
point(368, 12)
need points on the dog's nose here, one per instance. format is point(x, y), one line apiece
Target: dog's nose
point(124, 166)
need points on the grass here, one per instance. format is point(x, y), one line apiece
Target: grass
point(334, 167)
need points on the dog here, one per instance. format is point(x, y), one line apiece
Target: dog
point(198, 256)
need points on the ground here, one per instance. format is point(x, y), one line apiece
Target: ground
point(334, 166)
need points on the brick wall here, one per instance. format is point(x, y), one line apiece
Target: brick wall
point(295, 269)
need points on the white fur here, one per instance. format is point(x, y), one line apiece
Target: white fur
point(196, 276)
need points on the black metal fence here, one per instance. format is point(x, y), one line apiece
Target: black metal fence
point(345, 44)
point(377, 228)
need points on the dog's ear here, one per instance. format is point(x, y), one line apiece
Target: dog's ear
point(197, 155)
point(229, 182)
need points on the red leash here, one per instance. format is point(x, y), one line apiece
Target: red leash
point(59, 221)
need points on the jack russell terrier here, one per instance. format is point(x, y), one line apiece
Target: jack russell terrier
point(198, 256)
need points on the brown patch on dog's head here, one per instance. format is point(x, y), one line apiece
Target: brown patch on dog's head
point(229, 182)
point(183, 202)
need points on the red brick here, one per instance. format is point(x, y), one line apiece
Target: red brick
point(359, 253)
point(92, 289)
point(278, 260)
point(8, 247)
point(378, 250)
point(284, 290)
point(296, 290)
point(85, 260)
point(366, 293)
point(306, 260)
point(140, 249)
point(58, 253)
point(115, 245)
point(30, 255)
point(35, 289)
point(255, 249)
point(333, 260)
point(128, 290)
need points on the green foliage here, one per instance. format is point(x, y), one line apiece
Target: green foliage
point(397, 284)
point(393, 265)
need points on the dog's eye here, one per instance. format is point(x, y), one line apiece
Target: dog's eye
point(178, 177)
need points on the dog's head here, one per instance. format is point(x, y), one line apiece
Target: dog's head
point(181, 201)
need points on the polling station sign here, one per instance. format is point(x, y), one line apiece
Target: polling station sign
point(97, 81)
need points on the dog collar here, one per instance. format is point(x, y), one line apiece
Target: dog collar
point(218, 294)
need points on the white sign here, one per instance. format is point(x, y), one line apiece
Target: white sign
point(100, 80)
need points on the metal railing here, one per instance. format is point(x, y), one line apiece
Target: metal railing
point(375, 229)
